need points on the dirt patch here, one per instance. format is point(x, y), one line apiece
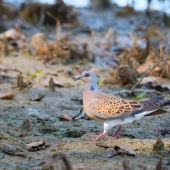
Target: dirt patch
point(68, 137)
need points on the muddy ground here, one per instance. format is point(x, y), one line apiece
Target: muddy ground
point(68, 137)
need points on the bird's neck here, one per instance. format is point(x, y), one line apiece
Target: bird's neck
point(91, 86)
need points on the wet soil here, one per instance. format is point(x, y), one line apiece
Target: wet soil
point(68, 137)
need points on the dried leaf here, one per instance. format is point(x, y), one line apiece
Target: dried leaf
point(128, 149)
point(158, 83)
point(159, 145)
point(6, 96)
point(23, 135)
point(20, 82)
point(35, 145)
point(66, 117)
point(41, 96)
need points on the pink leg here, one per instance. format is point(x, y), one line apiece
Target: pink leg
point(97, 138)
point(116, 134)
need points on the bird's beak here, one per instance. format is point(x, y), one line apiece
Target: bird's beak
point(78, 78)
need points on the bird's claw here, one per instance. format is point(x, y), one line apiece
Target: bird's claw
point(114, 137)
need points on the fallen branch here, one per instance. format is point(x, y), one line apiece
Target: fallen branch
point(8, 163)
point(104, 146)
point(52, 16)
point(137, 91)
point(16, 154)
point(148, 72)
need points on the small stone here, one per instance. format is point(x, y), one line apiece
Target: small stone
point(26, 123)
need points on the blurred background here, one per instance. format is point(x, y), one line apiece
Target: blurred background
point(96, 33)
point(46, 44)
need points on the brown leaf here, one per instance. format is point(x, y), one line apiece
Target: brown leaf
point(6, 96)
point(159, 145)
point(158, 80)
point(128, 149)
point(158, 83)
point(66, 117)
point(35, 145)
point(41, 96)
point(23, 135)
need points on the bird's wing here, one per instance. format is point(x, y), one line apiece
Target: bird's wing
point(153, 103)
point(110, 107)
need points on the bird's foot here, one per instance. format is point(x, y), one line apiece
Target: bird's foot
point(98, 138)
point(95, 139)
point(114, 137)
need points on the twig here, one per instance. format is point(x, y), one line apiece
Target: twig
point(16, 154)
point(114, 37)
point(109, 34)
point(161, 50)
point(93, 45)
point(52, 84)
point(42, 17)
point(52, 16)
point(80, 115)
point(8, 163)
point(104, 146)
point(149, 71)
point(137, 91)
point(93, 41)
point(58, 25)
point(58, 31)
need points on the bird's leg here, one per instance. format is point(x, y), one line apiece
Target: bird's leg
point(106, 129)
point(98, 137)
point(116, 134)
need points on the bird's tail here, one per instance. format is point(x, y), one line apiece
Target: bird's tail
point(155, 104)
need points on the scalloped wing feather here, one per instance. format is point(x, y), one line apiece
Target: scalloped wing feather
point(110, 107)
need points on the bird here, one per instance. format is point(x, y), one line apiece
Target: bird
point(111, 110)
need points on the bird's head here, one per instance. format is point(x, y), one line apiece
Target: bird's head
point(88, 77)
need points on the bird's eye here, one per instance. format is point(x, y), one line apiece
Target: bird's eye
point(87, 75)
